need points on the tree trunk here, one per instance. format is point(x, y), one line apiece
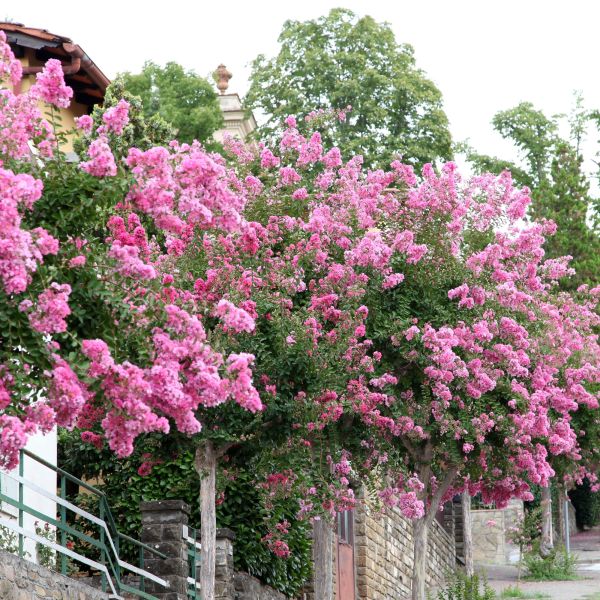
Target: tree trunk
point(547, 543)
point(467, 533)
point(206, 465)
point(420, 545)
point(421, 526)
point(323, 559)
point(562, 533)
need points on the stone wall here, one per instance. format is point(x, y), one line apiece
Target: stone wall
point(383, 555)
point(490, 530)
point(250, 588)
point(165, 527)
point(23, 580)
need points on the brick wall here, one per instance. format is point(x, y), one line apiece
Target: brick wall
point(165, 527)
point(24, 580)
point(383, 555)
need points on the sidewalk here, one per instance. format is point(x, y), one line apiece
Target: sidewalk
point(587, 547)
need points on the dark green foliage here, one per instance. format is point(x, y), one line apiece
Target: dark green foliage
point(182, 98)
point(242, 509)
point(566, 199)
point(525, 533)
point(340, 60)
point(532, 133)
point(143, 131)
point(586, 504)
point(557, 566)
point(242, 512)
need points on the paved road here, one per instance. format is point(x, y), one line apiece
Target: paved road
point(587, 547)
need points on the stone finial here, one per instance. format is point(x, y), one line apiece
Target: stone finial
point(222, 75)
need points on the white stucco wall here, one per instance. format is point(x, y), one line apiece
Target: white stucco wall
point(44, 446)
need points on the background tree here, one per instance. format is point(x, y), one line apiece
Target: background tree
point(341, 60)
point(181, 97)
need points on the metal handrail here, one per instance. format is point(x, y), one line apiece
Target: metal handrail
point(60, 471)
point(110, 564)
point(193, 546)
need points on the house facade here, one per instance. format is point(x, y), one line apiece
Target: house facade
point(34, 46)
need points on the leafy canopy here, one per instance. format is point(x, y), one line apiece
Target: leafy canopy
point(341, 60)
point(182, 98)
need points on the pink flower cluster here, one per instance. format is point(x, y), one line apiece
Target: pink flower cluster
point(50, 85)
point(116, 117)
point(20, 250)
point(186, 374)
point(51, 309)
point(234, 319)
point(102, 162)
point(9, 66)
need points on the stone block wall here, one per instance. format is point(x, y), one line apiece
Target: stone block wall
point(165, 527)
point(249, 588)
point(383, 555)
point(490, 530)
point(21, 579)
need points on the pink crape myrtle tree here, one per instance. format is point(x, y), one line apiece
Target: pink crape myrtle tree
point(372, 326)
point(470, 369)
point(196, 306)
point(471, 372)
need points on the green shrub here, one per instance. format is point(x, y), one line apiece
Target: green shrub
point(557, 566)
point(462, 587)
point(527, 530)
point(8, 540)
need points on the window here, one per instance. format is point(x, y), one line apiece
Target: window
point(345, 521)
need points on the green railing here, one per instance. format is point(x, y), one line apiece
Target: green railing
point(98, 533)
point(193, 551)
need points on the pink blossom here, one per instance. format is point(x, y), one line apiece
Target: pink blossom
point(391, 281)
point(289, 175)
point(51, 309)
point(333, 158)
point(234, 319)
point(6, 383)
point(77, 261)
point(66, 394)
point(268, 160)
point(102, 162)
point(85, 123)
point(9, 65)
point(116, 117)
point(13, 437)
point(92, 438)
point(410, 506)
point(50, 85)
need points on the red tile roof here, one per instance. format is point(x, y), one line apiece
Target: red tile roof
point(81, 73)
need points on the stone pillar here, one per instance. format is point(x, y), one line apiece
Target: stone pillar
point(164, 527)
point(224, 570)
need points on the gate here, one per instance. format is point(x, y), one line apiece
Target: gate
point(345, 577)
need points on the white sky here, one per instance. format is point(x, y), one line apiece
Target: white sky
point(484, 55)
